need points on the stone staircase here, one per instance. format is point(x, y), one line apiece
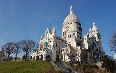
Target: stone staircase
point(55, 65)
point(61, 66)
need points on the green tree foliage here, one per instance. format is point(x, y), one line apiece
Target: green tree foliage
point(108, 63)
point(87, 68)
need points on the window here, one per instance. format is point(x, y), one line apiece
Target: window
point(63, 33)
point(56, 45)
point(77, 36)
point(70, 35)
point(98, 37)
point(73, 34)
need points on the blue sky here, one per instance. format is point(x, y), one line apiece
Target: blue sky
point(28, 19)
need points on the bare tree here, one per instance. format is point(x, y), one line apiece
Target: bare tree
point(113, 42)
point(8, 49)
point(27, 46)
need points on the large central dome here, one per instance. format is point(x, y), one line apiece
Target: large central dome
point(71, 17)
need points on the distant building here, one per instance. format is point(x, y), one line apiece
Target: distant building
point(71, 46)
point(2, 56)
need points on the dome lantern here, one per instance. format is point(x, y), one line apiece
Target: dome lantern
point(71, 16)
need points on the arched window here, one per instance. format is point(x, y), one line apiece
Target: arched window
point(63, 33)
point(56, 45)
point(70, 35)
point(73, 34)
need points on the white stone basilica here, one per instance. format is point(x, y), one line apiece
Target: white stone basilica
point(71, 46)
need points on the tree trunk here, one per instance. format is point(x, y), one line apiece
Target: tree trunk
point(16, 56)
point(26, 56)
point(8, 57)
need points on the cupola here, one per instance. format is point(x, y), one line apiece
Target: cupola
point(71, 16)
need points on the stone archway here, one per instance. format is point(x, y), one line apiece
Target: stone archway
point(33, 58)
point(41, 57)
point(37, 58)
point(48, 57)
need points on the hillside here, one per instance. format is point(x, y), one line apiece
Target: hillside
point(26, 67)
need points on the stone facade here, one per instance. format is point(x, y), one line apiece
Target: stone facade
point(50, 46)
point(71, 46)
